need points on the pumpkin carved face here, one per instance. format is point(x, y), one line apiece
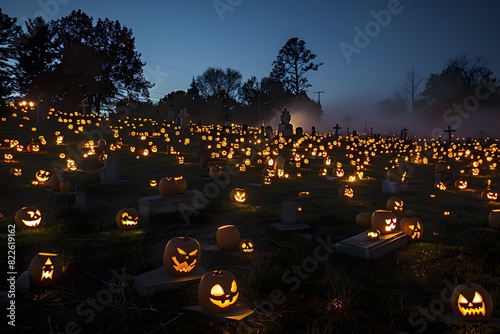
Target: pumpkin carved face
point(471, 302)
point(181, 255)
point(45, 269)
point(16, 171)
point(440, 185)
point(28, 217)
point(395, 204)
point(42, 175)
point(218, 291)
point(373, 234)
point(346, 192)
point(461, 184)
point(127, 219)
point(412, 227)
point(384, 220)
point(247, 246)
point(238, 195)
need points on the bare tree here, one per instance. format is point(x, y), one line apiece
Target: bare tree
point(410, 87)
point(401, 96)
point(469, 71)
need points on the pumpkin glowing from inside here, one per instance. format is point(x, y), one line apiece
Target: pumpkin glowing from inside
point(461, 184)
point(373, 234)
point(181, 255)
point(16, 171)
point(346, 192)
point(28, 217)
point(412, 227)
point(238, 195)
point(127, 219)
point(42, 175)
point(45, 269)
point(384, 220)
point(227, 237)
point(471, 302)
point(395, 204)
point(218, 291)
point(246, 246)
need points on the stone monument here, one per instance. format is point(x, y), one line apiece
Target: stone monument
point(109, 172)
point(285, 127)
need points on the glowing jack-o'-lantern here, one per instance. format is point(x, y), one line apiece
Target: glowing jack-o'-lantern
point(228, 237)
point(384, 220)
point(471, 302)
point(45, 269)
point(28, 217)
point(168, 186)
point(364, 219)
point(395, 204)
point(33, 147)
point(373, 234)
point(16, 171)
point(461, 184)
point(127, 219)
point(42, 176)
point(153, 183)
point(412, 227)
point(218, 291)
point(181, 255)
point(238, 195)
point(440, 185)
point(346, 192)
point(488, 194)
point(246, 246)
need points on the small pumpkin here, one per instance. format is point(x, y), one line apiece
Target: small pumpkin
point(218, 291)
point(395, 204)
point(227, 237)
point(214, 172)
point(413, 227)
point(238, 195)
point(127, 219)
point(346, 192)
point(472, 302)
point(64, 186)
point(42, 176)
point(16, 171)
point(181, 255)
point(246, 246)
point(45, 269)
point(373, 234)
point(461, 184)
point(28, 217)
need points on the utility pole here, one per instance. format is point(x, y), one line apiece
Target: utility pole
point(319, 100)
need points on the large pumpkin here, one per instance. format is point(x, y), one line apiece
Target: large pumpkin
point(384, 220)
point(127, 219)
point(181, 255)
point(471, 302)
point(218, 291)
point(227, 237)
point(45, 269)
point(494, 219)
point(28, 217)
point(412, 227)
point(180, 185)
point(167, 186)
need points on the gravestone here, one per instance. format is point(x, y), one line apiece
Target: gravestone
point(289, 216)
point(81, 203)
point(109, 172)
point(337, 128)
point(269, 132)
point(279, 162)
point(313, 131)
point(184, 119)
point(159, 280)
point(285, 127)
point(244, 128)
point(360, 246)
point(170, 114)
point(42, 109)
point(299, 132)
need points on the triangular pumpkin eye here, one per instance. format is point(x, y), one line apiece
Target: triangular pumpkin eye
point(181, 251)
point(477, 298)
point(462, 300)
point(217, 290)
point(234, 287)
point(193, 253)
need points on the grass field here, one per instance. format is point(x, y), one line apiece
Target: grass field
point(405, 291)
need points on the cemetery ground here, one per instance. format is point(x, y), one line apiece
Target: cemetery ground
point(290, 288)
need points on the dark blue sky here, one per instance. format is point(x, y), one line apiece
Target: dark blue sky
point(181, 39)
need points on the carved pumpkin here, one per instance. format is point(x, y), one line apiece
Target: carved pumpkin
point(346, 192)
point(42, 175)
point(180, 184)
point(488, 194)
point(246, 246)
point(168, 186)
point(181, 255)
point(364, 219)
point(471, 302)
point(33, 147)
point(45, 269)
point(395, 204)
point(227, 237)
point(373, 234)
point(494, 219)
point(238, 195)
point(16, 171)
point(153, 183)
point(28, 217)
point(218, 291)
point(127, 219)
point(384, 220)
point(461, 184)
point(440, 185)
point(412, 227)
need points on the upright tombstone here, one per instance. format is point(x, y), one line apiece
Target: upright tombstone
point(42, 108)
point(84, 106)
point(313, 131)
point(279, 162)
point(184, 119)
point(170, 114)
point(269, 132)
point(285, 127)
point(299, 132)
point(109, 172)
point(337, 128)
point(244, 128)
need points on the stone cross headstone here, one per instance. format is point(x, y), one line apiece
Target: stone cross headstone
point(84, 106)
point(348, 131)
point(449, 133)
point(184, 119)
point(109, 172)
point(42, 108)
point(337, 128)
point(404, 132)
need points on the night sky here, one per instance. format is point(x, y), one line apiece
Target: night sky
point(179, 40)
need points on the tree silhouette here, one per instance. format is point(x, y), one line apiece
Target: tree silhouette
point(9, 35)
